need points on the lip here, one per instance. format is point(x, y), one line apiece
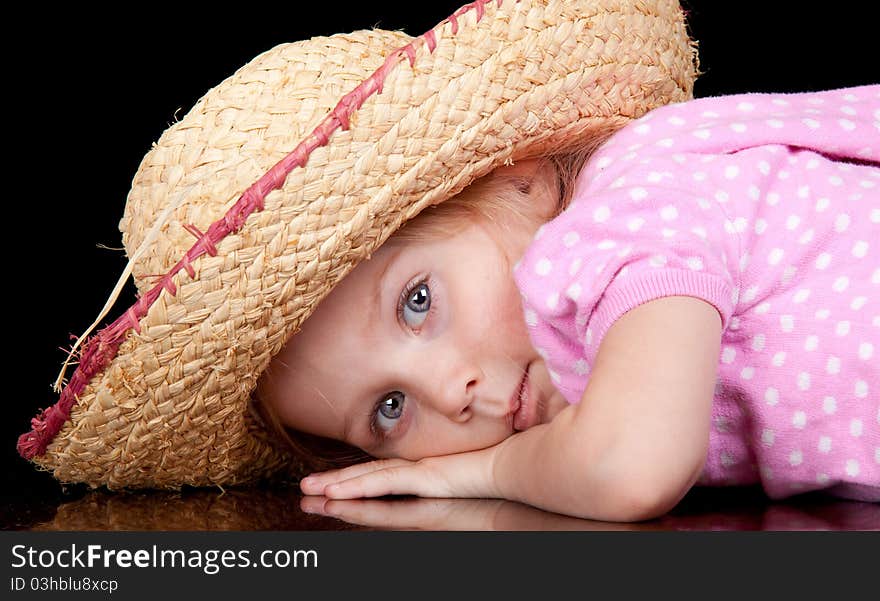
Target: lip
point(522, 406)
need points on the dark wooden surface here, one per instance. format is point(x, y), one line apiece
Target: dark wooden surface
point(280, 507)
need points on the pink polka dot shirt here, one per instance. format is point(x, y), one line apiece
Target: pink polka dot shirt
point(768, 208)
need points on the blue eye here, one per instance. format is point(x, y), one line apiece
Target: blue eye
point(388, 411)
point(416, 304)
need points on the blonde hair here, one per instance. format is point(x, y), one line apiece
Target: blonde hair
point(486, 199)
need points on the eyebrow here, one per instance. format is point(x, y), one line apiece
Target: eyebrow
point(373, 312)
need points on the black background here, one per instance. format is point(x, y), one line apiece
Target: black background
point(88, 90)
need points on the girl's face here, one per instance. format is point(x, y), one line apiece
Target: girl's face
point(420, 351)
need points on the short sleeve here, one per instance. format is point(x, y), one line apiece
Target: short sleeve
point(625, 240)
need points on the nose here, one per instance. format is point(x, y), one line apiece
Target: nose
point(452, 387)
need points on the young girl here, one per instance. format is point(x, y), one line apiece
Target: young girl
point(664, 320)
point(704, 311)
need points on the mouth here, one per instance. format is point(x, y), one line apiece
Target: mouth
point(523, 407)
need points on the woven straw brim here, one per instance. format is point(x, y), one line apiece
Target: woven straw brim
point(229, 269)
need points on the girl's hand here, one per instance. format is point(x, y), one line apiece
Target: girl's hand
point(452, 515)
point(461, 475)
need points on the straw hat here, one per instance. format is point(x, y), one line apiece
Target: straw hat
point(249, 210)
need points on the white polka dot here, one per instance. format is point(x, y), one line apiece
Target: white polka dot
point(842, 328)
point(702, 134)
point(858, 302)
point(618, 183)
point(860, 249)
point(773, 198)
point(554, 376)
point(835, 180)
point(779, 359)
point(750, 294)
point(822, 479)
point(668, 213)
point(580, 367)
point(666, 142)
point(531, 318)
point(841, 223)
point(780, 102)
point(788, 274)
point(875, 216)
point(638, 194)
point(861, 389)
point(771, 396)
point(799, 420)
point(832, 366)
point(822, 314)
point(795, 458)
point(829, 405)
point(642, 128)
point(657, 261)
point(704, 204)
point(728, 354)
point(875, 277)
point(866, 351)
point(552, 300)
point(822, 204)
point(734, 323)
point(762, 308)
point(606, 245)
point(803, 191)
point(574, 291)
point(801, 295)
point(823, 260)
point(767, 437)
point(848, 110)
point(758, 342)
point(806, 237)
point(731, 172)
point(601, 214)
point(738, 127)
point(604, 162)
point(700, 232)
point(722, 196)
point(877, 455)
point(588, 336)
point(846, 124)
point(775, 256)
point(575, 266)
point(811, 123)
point(855, 427)
point(747, 373)
point(745, 107)
point(775, 123)
point(786, 322)
point(824, 444)
point(840, 284)
point(792, 222)
point(543, 266)
point(695, 263)
point(803, 380)
point(744, 261)
point(811, 343)
point(867, 184)
point(852, 468)
point(570, 239)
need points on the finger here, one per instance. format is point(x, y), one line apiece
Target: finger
point(400, 480)
point(315, 483)
point(414, 513)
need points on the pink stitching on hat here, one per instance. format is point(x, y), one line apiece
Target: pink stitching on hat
point(99, 350)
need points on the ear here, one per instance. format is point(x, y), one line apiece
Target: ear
point(525, 168)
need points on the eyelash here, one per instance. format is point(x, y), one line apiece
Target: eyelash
point(378, 432)
point(409, 289)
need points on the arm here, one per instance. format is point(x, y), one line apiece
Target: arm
point(630, 450)
point(638, 439)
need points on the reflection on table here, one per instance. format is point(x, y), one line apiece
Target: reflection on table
point(284, 508)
